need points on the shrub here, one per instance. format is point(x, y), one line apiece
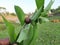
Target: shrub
point(29, 30)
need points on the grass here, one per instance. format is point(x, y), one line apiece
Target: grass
point(3, 34)
point(54, 17)
point(4, 31)
point(49, 34)
point(2, 27)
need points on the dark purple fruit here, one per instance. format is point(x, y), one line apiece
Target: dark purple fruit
point(27, 20)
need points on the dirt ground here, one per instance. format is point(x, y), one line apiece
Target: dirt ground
point(9, 18)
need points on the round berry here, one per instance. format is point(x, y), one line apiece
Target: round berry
point(27, 20)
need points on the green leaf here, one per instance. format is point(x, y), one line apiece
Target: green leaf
point(37, 14)
point(35, 34)
point(49, 6)
point(29, 36)
point(11, 30)
point(44, 14)
point(20, 14)
point(46, 10)
point(43, 20)
point(23, 33)
point(39, 3)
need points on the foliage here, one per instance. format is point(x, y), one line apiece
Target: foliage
point(11, 30)
point(2, 27)
point(2, 8)
point(56, 11)
point(54, 17)
point(46, 34)
point(13, 14)
point(20, 14)
point(34, 23)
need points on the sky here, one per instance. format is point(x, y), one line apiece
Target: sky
point(28, 6)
